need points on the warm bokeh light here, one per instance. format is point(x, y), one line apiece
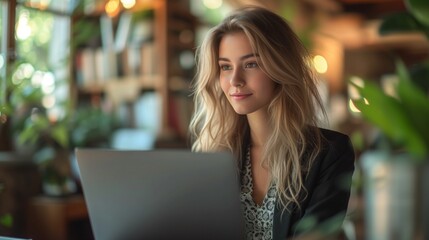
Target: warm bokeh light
point(23, 29)
point(213, 4)
point(112, 7)
point(48, 83)
point(320, 64)
point(389, 83)
point(55, 113)
point(44, 4)
point(27, 69)
point(354, 93)
point(24, 71)
point(352, 107)
point(1, 61)
point(48, 101)
point(128, 3)
point(37, 79)
point(40, 4)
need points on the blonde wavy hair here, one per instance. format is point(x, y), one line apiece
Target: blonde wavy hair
point(295, 140)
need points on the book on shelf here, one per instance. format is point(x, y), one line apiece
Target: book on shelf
point(90, 67)
point(85, 67)
point(126, 50)
point(181, 109)
point(139, 60)
point(123, 31)
point(131, 61)
point(148, 59)
point(107, 40)
point(100, 68)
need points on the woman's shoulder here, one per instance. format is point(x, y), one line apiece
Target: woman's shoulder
point(333, 136)
point(335, 142)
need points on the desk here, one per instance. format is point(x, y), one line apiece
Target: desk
point(50, 217)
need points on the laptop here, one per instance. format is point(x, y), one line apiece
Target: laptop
point(161, 194)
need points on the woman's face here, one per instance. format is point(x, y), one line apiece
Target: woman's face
point(247, 88)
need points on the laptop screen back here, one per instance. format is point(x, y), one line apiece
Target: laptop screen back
point(161, 194)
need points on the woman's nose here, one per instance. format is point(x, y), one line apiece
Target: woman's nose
point(237, 79)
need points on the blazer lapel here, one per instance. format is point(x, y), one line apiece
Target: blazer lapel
point(283, 221)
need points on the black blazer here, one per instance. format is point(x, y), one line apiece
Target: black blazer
point(328, 185)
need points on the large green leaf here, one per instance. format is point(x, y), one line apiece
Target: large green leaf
point(415, 103)
point(420, 9)
point(34, 129)
point(390, 116)
point(60, 135)
point(420, 75)
point(400, 22)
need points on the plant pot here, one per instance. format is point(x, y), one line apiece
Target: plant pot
point(54, 189)
point(57, 176)
point(396, 197)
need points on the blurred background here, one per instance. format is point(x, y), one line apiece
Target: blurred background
point(117, 74)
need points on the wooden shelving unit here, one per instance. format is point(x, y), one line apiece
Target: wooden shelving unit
point(168, 78)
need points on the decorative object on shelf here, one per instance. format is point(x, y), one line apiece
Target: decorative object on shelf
point(396, 170)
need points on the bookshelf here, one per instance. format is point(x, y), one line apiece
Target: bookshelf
point(145, 50)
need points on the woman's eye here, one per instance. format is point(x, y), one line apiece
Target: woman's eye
point(251, 65)
point(225, 67)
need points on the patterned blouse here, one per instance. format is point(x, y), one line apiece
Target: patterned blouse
point(258, 218)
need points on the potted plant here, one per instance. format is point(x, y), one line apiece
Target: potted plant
point(53, 143)
point(49, 140)
point(396, 170)
point(90, 127)
point(41, 137)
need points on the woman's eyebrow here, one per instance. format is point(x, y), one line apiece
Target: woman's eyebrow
point(224, 59)
point(249, 56)
point(241, 58)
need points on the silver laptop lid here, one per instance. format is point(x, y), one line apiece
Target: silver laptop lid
point(161, 194)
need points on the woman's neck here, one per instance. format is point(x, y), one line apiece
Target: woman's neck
point(260, 129)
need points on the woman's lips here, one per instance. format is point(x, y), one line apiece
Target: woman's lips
point(240, 96)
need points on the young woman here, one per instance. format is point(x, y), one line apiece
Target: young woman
point(256, 97)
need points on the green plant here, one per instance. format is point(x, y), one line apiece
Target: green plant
point(91, 127)
point(35, 132)
point(50, 140)
point(415, 19)
point(402, 117)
